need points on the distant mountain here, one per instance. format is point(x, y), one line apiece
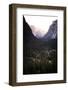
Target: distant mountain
point(37, 32)
point(52, 32)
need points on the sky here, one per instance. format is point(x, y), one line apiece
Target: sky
point(39, 24)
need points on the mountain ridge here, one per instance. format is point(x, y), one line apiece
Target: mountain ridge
point(52, 32)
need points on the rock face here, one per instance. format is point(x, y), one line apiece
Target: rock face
point(27, 32)
point(52, 32)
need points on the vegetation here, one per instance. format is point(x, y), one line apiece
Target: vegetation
point(40, 61)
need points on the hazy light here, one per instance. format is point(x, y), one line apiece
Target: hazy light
point(39, 24)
